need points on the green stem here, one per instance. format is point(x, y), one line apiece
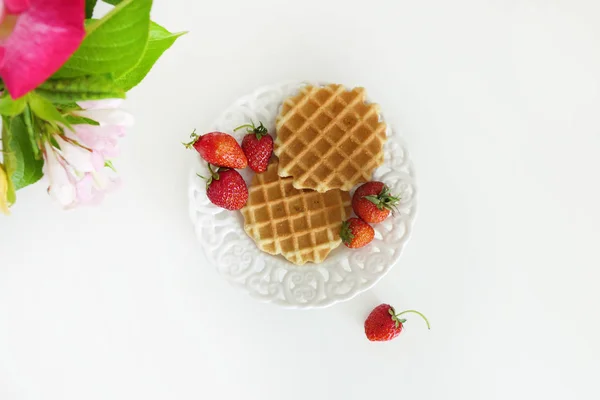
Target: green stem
point(249, 126)
point(214, 174)
point(259, 130)
point(194, 138)
point(416, 312)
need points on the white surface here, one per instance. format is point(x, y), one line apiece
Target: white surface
point(498, 101)
point(346, 272)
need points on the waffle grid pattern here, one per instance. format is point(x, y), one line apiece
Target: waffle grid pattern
point(329, 138)
point(302, 225)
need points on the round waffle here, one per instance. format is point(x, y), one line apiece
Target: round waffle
point(329, 138)
point(301, 225)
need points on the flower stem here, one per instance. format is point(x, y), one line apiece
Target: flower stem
point(416, 312)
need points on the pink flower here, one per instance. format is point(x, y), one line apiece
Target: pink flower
point(62, 187)
point(113, 122)
point(36, 38)
point(79, 169)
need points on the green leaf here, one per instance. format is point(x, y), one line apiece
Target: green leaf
point(45, 110)
point(114, 43)
point(10, 161)
point(75, 119)
point(68, 107)
point(69, 90)
point(28, 119)
point(110, 165)
point(113, 2)
point(11, 107)
point(159, 40)
point(89, 8)
point(19, 156)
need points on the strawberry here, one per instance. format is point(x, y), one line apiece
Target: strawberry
point(373, 202)
point(356, 233)
point(219, 149)
point(257, 145)
point(226, 188)
point(383, 323)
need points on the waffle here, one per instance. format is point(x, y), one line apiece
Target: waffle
point(329, 138)
point(301, 225)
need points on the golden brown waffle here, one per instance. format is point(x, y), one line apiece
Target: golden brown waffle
point(329, 138)
point(301, 225)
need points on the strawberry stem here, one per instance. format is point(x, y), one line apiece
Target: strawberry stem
point(194, 138)
point(250, 127)
point(415, 312)
point(214, 174)
point(259, 130)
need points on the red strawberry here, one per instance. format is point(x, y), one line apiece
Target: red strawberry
point(356, 233)
point(219, 149)
point(383, 323)
point(257, 145)
point(226, 188)
point(373, 202)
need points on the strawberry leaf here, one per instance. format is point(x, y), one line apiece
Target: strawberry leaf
point(346, 233)
point(384, 200)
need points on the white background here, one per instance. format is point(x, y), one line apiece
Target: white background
point(499, 103)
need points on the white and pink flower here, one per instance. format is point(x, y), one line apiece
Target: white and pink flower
point(79, 169)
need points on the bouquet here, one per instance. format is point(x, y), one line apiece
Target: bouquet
point(63, 75)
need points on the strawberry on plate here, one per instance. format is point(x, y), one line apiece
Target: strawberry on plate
point(372, 202)
point(218, 148)
point(356, 233)
point(226, 188)
point(257, 146)
point(383, 323)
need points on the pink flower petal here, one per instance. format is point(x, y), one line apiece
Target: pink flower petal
point(100, 104)
point(61, 187)
point(108, 117)
point(87, 193)
point(78, 157)
point(44, 37)
point(16, 6)
point(98, 160)
point(102, 139)
point(84, 188)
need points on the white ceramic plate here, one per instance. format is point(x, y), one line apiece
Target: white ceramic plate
point(346, 272)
